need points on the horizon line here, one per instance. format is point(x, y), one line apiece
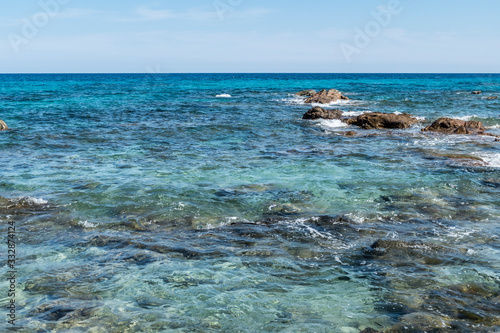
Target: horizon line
point(229, 73)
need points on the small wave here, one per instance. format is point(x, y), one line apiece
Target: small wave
point(294, 100)
point(493, 127)
point(216, 223)
point(87, 224)
point(354, 113)
point(466, 118)
point(301, 224)
point(33, 201)
point(331, 123)
point(223, 96)
point(338, 102)
point(355, 218)
point(492, 159)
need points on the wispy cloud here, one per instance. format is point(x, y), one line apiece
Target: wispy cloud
point(73, 13)
point(147, 14)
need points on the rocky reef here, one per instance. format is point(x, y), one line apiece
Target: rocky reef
point(326, 96)
point(383, 120)
point(455, 126)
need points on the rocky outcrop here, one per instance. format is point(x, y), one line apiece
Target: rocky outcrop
point(326, 96)
point(383, 120)
point(476, 92)
point(320, 113)
point(455, 126)
point(307, 93)
point(3, 126)
point(492, 97)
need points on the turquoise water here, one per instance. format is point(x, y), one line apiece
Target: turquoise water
point(144, 203)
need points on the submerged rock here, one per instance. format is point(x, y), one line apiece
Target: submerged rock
point(370, 330)
point(3, 125)
point(389, 245)
point(421, 322)
point(455, 126)
point(326, 96)
point(23, 206)
point(383, 120)
point(469, 303)
point(462, 159)
point(349, 133)
point(308, 93)
point(399, 252)
point(320, 113)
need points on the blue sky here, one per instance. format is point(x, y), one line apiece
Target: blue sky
point(249, 36)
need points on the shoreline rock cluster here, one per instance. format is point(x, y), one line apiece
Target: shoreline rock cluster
point(381, 120)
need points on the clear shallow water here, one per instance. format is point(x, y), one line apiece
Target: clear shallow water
point(145, 203)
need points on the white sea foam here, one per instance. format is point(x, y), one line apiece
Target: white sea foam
point(87, 224)
point(356, 218)
point(331, 123)
point(354, 113)
point(466, 118)
point(231, 219)
point(493, 127)
point(334, 103)
point(223, 96)
point(437, 139)
point(180, 206)
point(493, 159)
point(301, 224)
point(34, 201)
point(293, 100)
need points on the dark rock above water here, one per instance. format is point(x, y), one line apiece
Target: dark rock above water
point(492, 97)
point(3, 126)
point(326, 96)
point(320, 113)
point(383, 120)
point(307, 93)
point(477, 92)
point(455, 126)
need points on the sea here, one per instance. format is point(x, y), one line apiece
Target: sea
point(204, 203)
